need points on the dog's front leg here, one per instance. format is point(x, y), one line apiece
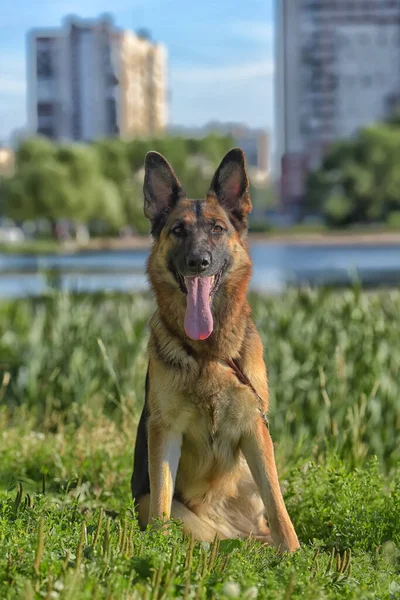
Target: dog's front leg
point(164, 454)
point(258, 450)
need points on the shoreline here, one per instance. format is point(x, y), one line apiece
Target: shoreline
point(292, 239)
point(142, 243)
point(327, 238)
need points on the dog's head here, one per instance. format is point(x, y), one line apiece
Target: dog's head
point(200, 245)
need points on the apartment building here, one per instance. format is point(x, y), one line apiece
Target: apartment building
point(337, 70)
point(142, 105)
point(88, 80)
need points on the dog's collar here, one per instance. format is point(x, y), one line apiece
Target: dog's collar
point(232, 364)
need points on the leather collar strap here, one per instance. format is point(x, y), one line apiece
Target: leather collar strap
point(232, 364)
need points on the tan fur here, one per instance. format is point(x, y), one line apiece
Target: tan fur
point(227, 476)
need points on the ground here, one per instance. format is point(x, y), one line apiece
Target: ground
point(71, 388)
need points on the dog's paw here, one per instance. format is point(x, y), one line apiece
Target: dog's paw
point(289, 545)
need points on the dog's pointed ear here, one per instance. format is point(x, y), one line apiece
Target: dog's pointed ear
point(161, 187)
point(231, 186)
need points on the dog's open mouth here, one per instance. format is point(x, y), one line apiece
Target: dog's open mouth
point(215, 281)
point(199, 291)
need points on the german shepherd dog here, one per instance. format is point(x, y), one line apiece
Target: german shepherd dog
point(204, 454)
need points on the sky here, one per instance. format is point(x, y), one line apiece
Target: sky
point(220, 54)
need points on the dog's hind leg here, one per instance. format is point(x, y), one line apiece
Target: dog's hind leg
point(202, 528)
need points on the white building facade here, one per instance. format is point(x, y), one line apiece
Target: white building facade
point(337, 70)
point(77, 78)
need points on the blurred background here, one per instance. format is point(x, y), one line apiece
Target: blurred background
point(309, 89)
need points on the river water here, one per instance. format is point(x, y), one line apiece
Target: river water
point(276, 265)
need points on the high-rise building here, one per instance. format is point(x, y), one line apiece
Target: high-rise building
point(88, 80)
point(337, 70)
point(142, 105)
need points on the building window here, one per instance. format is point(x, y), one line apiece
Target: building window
point(44, 61)
point(45, 109)
point(46, 131)
point(111, 110)
point(311, 6)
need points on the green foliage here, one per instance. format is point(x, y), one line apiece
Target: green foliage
point(49, 340)
point(44, 191)
point(333, 363)
point(101, 182)
point(260, 226)
point(337, 210)
point(393, 220)
point(72, 372)
point(35, 150)
point(263, 196)
point(346, 509)
point(359, 179)
point(333, 366)
point(72, 549)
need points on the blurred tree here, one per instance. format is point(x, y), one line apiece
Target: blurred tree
point(115, 167)
point(41, 191)
point(114, 162)
point(102, 182)
point(263, 196)
point(136, 152)
point(359, 179)
point(95, 195)
point(337, 210)
point(108, 207)
point(83, 169)
point(214, 147)
point(34, 150)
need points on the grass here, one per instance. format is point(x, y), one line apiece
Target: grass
point(72, 377)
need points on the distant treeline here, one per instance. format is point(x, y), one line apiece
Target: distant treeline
point(359, 178)
point(100, 184)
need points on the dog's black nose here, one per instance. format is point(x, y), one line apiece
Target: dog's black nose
point(198, 262)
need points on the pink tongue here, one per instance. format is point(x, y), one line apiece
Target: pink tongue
point(198, 319)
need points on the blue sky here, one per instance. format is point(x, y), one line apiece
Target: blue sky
point(220, 54)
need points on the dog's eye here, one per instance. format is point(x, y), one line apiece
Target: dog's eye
point(217, 229)
point(178, 230)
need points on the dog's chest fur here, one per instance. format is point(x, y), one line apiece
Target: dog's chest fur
point(211, 410)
